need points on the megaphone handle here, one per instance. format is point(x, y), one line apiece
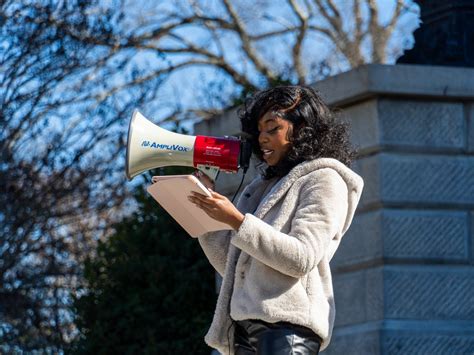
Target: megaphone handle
point(210, 171)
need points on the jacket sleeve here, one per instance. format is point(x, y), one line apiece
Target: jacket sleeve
point(318, 219)
point(216, 247)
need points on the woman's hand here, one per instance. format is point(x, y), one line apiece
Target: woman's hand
point(205, 180)
point(218, 207)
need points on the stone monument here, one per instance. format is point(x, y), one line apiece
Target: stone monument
point(446, 36)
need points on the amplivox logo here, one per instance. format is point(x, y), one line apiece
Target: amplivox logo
point(175, 147)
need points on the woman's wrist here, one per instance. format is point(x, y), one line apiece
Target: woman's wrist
point(237, 221)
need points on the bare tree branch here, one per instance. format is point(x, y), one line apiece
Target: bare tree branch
point(350, 49)
point(395, 17)
point(297, 47)
point(358, 33)
point(272, 33)
point(247, 45)
point(380, 34)
point(334, 21)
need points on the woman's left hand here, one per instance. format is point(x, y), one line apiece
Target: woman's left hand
point(218, 207)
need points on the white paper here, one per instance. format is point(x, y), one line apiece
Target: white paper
point(172, 192)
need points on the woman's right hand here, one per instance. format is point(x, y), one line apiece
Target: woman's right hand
point(205, 180)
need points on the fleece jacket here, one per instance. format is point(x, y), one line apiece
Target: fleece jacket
point(275, 267)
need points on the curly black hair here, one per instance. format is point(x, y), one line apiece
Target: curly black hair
point(315, 134)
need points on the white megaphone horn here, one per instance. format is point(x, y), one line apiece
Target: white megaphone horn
point(150, 146)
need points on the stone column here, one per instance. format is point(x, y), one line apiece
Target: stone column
point(404, 273)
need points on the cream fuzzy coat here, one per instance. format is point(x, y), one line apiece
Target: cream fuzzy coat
point(276, 266)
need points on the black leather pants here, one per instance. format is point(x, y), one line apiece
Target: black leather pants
point(262, 338)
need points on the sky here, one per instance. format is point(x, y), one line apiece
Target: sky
point(185, 88)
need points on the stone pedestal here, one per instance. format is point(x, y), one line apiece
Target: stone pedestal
point(404, 273)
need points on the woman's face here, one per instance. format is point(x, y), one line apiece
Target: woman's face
point(273, 137)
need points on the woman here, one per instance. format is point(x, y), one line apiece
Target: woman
point(276, 295)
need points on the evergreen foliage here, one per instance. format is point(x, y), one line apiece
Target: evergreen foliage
point(150, 289)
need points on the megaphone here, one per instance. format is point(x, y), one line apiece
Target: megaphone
point(150, 146)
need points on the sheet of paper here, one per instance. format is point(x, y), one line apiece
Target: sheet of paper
point(172, 192)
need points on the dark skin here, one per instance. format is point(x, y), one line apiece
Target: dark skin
point(273, 140)
point(218, 207)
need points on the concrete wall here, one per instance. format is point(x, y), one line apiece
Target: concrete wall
point(404, 273)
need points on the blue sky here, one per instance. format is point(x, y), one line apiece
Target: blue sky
point(185, 87)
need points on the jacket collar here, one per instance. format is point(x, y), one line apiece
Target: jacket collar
point(255, 189)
